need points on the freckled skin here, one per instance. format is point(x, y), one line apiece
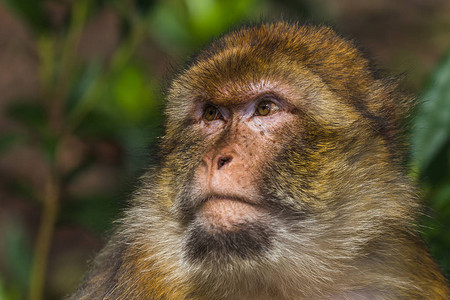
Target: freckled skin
point(281, 176)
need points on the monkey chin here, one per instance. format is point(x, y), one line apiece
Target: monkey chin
point(221, 214)
point(228, 228)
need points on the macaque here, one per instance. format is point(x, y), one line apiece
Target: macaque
point(281, 176)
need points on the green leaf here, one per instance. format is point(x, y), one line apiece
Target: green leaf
point(169, 25)
point(28, 113)
point(144, 6)
point(31, 12)
point(211, 17)
point(431, 130)
point(441, 198)
point(134, 95)
point(17, 250)
point(83, 86)
point(10, 291)
point(97, 124)
point(95, 212)
point(50, 145)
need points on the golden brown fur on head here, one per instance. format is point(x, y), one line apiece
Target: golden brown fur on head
point(310, 202)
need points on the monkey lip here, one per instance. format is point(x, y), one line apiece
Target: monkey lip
point(228, 213)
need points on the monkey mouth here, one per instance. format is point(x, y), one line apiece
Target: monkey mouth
point(227, 227)
point(227, 213)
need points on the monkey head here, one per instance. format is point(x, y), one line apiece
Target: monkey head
point(281, 137)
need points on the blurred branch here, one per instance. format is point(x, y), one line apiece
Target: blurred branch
point(55, 79)
point(44, 238)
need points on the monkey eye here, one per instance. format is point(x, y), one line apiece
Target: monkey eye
point(211, 113)
point(266, 108)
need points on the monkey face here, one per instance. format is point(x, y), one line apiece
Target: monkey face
point(248, 140)
point(242, 142)
point(230, 216)
point(256, 139)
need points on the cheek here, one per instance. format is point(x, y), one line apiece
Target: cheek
point(272, 128)
point(208, 128)
point(273, 136)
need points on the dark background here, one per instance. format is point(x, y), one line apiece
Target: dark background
point(80, 110)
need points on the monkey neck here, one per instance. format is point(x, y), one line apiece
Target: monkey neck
point(170, 278)
point(152, 266)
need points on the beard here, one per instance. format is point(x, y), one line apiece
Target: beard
point(245, 241)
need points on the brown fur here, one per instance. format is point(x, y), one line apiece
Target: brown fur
point(337, 166)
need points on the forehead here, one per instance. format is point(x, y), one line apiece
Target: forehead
point(236, 77)
point(236, 74)
point(245, 61)
point(309, 65)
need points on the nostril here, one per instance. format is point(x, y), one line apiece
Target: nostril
point(223, 161)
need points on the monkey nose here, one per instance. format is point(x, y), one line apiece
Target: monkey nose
point(223, 160)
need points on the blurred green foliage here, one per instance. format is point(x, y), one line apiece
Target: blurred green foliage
point(430, 141)
point(113, 108)
point(18, 251)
